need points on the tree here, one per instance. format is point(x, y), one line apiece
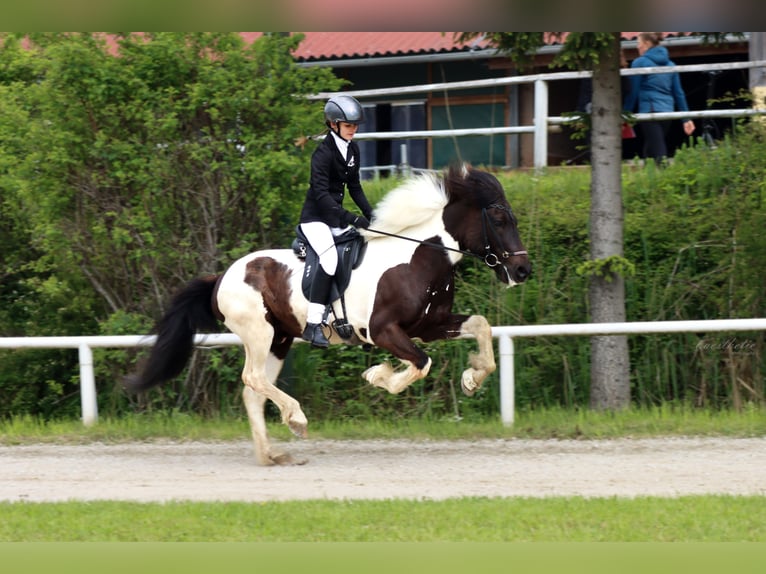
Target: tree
point(142, 161)
point(599, 51)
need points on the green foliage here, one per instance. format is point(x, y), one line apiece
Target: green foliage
point(123, 177)
point(581, 50)
point(125, 171)
point(607, 268)
point(585, 49)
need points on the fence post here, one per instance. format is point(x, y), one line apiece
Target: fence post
point(541, 124)
point(87, 386)
point(404, 163)
point(507, 382)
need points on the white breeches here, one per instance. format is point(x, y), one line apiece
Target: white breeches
point(321, 237)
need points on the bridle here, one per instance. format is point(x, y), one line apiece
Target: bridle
point(490, 258)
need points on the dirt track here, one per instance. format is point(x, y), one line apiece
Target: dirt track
point(384, 469)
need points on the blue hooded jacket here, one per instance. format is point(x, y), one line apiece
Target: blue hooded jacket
point(655, 92)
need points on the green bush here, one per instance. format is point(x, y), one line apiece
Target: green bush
point(121, 179)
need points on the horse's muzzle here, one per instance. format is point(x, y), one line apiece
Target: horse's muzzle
point(522, 272)
point(513, 274)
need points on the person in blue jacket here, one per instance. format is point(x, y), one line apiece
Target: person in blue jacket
point(655, 93)
point(334, 169)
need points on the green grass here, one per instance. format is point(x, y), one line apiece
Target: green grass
point(571, 519)
point(561, 423)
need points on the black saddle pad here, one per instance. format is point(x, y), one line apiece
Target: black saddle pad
point(351, 247)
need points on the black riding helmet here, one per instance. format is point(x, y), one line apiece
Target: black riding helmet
point(343, 109)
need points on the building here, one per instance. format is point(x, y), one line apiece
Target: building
point(369, 60)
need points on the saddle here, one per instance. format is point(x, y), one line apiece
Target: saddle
point(351, 247)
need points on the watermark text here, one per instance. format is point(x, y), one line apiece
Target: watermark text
point(730, 345)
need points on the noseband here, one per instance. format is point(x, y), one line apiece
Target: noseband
point(490, 258)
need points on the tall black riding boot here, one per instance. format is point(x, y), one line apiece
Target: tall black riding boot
point(321, 287)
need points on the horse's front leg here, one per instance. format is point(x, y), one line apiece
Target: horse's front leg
point(395, 340)
point(482, 362)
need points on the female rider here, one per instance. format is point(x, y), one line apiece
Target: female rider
point(334, 168)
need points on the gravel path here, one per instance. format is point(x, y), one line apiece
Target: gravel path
point(351, 469)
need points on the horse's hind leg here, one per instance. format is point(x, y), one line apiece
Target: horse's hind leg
point(483, 362)
point(264, 454)
point(259, 376)
point(255, 403)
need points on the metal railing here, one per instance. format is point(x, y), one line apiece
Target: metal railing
point(504, 334)
point(543, 122)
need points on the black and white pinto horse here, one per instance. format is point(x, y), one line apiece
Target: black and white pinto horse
point(402, 290)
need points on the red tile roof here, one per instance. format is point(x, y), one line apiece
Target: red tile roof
point(339, 45)
point(324, 45)
point(333, 45)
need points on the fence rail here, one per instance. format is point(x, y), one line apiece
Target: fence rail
point(542, 122)
point(504, 334)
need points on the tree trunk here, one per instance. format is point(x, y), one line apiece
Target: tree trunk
point(610, 369)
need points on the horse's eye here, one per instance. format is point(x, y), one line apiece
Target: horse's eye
point(498, 223)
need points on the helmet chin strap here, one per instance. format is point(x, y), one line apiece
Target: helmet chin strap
point(336, 130)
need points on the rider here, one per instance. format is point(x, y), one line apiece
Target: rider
point(334, 167)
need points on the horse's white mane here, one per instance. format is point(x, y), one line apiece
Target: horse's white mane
point(416, 201)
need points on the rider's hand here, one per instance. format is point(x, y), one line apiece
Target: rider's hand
point(361, 222)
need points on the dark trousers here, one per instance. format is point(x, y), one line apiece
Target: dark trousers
point(655, 140)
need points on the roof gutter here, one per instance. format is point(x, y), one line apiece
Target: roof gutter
point(397, 60)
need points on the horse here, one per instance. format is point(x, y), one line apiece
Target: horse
point(403, 290)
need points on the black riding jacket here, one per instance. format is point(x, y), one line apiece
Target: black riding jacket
point(331, 174)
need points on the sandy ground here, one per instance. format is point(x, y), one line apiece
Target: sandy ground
point(349, 469)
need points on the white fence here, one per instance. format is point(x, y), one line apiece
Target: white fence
point(505, 334)
point(543, 122)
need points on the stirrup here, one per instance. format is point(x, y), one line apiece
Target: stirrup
point(343, 328)
point(314, 334)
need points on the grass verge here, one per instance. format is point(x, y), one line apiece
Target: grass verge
point(667, 420)
point(570, 519)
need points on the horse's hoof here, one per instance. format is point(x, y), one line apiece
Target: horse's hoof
point(286, 459)
point(468, 384)
point(369, 375)
point(378, 375)
point(298, 429)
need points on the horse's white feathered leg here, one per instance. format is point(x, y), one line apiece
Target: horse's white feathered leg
point(245, 315)
point(256, 378)
point(483, 362)
point(254, 404)
point(394, 382)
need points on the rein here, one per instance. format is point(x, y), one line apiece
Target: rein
point(490, 259)
point(422, 242)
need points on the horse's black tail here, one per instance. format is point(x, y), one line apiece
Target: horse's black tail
point(191, 310)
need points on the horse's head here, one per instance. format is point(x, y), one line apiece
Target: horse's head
point(480, 218)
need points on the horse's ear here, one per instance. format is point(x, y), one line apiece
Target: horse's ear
point(459, 171)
